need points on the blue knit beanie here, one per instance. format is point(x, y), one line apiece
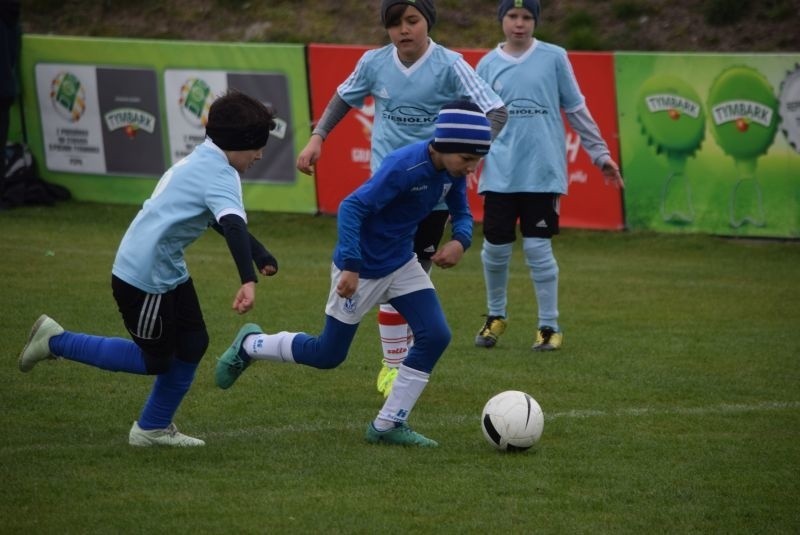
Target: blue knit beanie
point(425, 7)
point(462, 127)
point(531, 5)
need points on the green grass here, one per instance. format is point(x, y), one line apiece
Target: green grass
point(672, 408)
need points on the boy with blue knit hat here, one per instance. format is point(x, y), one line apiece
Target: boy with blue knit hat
point(525, 173)
point(374, 263)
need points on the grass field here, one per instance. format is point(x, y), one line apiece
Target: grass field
point(674, 406)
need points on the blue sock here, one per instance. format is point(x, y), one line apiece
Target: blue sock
point(496, 259)
point(113, 354)
point(167, 394)
point(327, 350)
point(544, 274)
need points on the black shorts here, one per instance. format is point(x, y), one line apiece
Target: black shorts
point(537, 214)
point(429, 233)
point(157, 321)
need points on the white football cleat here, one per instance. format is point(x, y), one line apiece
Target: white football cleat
point(170, 436)
point(37, 348)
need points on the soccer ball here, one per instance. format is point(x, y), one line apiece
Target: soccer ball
point(512, 421)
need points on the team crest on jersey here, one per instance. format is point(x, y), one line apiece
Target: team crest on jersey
point(349, 306)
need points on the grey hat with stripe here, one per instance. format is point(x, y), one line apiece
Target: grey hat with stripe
point(462, 127)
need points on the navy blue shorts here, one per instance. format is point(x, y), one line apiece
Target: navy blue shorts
point(157, 323)
point(429, 233)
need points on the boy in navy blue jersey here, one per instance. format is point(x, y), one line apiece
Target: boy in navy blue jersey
point(150, 279)
point(374, 263)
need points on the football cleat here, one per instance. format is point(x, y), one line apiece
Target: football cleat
point(547, 339)
point(37, 348)
point(232, 364)
point(491, 331)
point(170, 436)
point(386, 379)
point(399, 435)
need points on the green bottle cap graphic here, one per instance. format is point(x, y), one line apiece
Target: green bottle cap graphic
point(674, 122)
point(672, 117)
point(744, 116)
point(790, 107)
point(743, 111)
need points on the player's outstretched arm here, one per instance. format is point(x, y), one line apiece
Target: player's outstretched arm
point(245, 298)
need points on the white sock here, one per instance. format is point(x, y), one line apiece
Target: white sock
point(273, 347)
point(394, 336)
point(404, 395)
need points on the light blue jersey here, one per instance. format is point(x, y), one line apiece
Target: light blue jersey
point(194, 192)
point(408, 99)
point(529, 154)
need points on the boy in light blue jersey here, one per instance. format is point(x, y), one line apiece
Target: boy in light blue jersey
point(525, 173)
point(151, 282)
point(374, 263)
point(409, 80)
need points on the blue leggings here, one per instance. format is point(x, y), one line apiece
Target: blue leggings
point(424, 315)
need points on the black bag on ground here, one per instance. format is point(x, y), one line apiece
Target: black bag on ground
point(21, 183)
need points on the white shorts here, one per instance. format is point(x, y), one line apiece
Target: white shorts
point(408, 278)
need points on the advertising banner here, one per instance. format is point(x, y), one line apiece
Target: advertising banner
point(106, 117)
point(100, 120)
point(344, 163)
point(710, 142)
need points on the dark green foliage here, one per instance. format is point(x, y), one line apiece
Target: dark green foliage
point(725, 12)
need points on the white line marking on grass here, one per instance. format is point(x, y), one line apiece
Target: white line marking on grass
point(723, 408)
point(328, 425)
point(317, 426)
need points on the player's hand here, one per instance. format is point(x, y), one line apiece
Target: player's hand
point(611, 173)
point(348, 284)
point(266, 263)
point(245, 298)
point(309, 155)
point(449, 254)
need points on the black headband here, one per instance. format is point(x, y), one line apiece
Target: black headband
point(238, 137)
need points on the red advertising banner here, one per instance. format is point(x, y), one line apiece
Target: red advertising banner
point(344, 163)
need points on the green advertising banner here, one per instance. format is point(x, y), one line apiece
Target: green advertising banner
point(106, 117)
point(711, 143)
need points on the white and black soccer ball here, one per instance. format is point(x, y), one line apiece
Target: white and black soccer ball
point(512, 421)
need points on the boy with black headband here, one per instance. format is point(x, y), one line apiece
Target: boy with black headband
point(374, 263)
point(410, 79)
point(151, 282)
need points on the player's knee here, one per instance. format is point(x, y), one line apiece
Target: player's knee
point(436, 340)
point(192, 346)
point(538, 252)
point(496, 255)
point(155, 364)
